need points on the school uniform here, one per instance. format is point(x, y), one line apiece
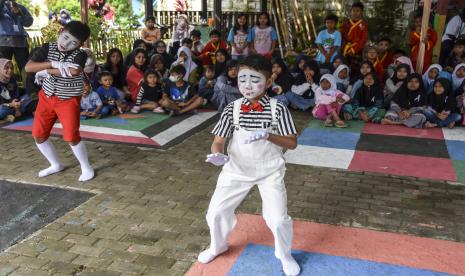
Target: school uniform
point(260, 163)
point(60, 96)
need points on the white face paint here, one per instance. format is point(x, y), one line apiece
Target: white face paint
point(67, 42)
point(251, 83)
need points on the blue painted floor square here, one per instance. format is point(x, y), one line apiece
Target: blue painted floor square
point(329, 138)
point(260, 260)
point(456, 149)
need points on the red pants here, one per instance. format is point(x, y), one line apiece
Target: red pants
point(52, 108)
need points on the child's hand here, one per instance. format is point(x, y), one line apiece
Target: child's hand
point(256, 136)
point(277, 89)
point(217, 159)
point(404, 114)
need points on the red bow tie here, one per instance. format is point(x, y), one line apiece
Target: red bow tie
point(249, 107)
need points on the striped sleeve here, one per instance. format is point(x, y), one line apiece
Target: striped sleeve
point(225, 125)
point(140, 95)
point(286, 124)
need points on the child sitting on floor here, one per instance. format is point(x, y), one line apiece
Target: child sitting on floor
point(458, 76)
point(357, 81)
point(150, 93)
point(431, 74)
point(179, 96)
point(329, 102)
point(112, 103)
point(408, 104)
point(207, 83)
point(367, 103)
point(442, 105)
point(302, 94)
point(393, 84)
point(342, 77)
point(91, 104)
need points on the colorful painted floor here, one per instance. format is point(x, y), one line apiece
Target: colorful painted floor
point(425, 153)
point(145, 129)
point(322, 249)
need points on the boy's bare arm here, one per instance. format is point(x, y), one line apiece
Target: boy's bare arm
point(218, 144)
point(287, 142)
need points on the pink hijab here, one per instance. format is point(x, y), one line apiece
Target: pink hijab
point(406, 60)
point(3, 63)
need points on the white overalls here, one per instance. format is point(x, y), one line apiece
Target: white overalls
point(260, 163)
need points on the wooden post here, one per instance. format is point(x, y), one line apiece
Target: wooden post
point(204, 11)
point(217, 14)
point(440, 26)
point(263, 5)
point(148, 8)
point(85, 18)
point(424, 31)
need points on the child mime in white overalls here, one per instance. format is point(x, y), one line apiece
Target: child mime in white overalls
point(255, 157)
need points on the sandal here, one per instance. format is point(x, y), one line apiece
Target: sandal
point(329, 123)
point(341, 124)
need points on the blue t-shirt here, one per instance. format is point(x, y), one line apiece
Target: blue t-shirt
point(107, 94)
point(179, 94)
point(327, 40)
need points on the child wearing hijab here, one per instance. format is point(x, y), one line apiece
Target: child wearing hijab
point(302, 94)
point(404, 60)
point(458, 76)
point(185, 59)
point(300, 60)
point(160, 48)
point(329, 102)
point(430, 75)
point(135, 75)
point(342, 77)
point(226, 89)
point(367, 104)
point(13, 101)
point(393, 84)
point(222, 57)
point(442, 105)
point(408, 104)
point(282, 81)
point(356, 82)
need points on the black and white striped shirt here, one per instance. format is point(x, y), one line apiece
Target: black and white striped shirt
point(256, 120)
point(62, 87)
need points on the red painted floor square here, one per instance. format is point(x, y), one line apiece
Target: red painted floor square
point(433, 133)
point(405, 165)
point(390, 248)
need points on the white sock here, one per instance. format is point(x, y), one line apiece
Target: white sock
point(80, 152)
point(290, 266)
point(207, 256)
point(48, 151)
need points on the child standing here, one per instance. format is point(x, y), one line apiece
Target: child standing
point(260, 128)
point(328, 41)
point(329, 102)
point(442, 105)
point(150, 34)
point(91, 104)
point(237, 38)
point(207, 83)
point(263, 37)
point(112, 103)
point(415, 42)
point(150, 93)
point(367, 103)
point(209, 51)
point(58, 66)
point(179, 96)
point(354, 36)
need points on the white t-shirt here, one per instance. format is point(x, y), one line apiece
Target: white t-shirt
point(455, 27)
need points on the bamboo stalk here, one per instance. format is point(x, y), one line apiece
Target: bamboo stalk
point(423, 34)
point(277, 31)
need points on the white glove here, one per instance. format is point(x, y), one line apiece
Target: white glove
point(217, 159)
point(257, 135)
point(41, 76)
point(64, 67)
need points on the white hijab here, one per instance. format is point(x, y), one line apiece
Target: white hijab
point(456, 81)
point(345, 81)
point(189, 64)
point(426, 78)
